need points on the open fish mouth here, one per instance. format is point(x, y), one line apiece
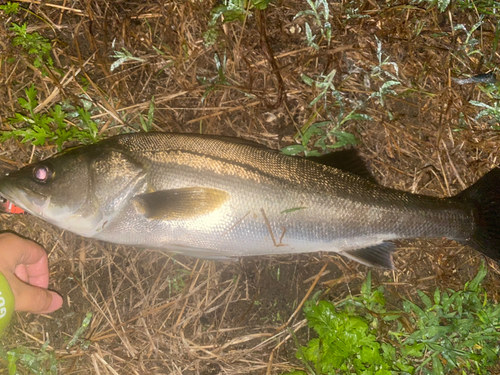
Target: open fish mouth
point(19, 196)
point(29, 201)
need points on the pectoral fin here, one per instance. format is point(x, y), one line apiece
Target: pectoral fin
point(374, 256)
point(179, 204)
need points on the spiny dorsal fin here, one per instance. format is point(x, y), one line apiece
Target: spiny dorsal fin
point(379, 256)
point(345, 160)
point(179, 204)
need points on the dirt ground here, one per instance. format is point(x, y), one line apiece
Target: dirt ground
point(159, 313)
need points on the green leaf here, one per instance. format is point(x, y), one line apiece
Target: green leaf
point(314, 129)
point(304, 13)
point(292, 210)
point(355, 116)
point(10, 8)
point(260, 4)
point(312, 153)
point(366, 288)
point(437, 296)
point(389, 352)
point(343, 139)
point(425, 299)
point(307, 80)
point(415, 350)
point(293, 149)
point(443, 4)
point(370, 353)
point(473, 285)
point(437, 366)
point(411, 307)
point(80, 330)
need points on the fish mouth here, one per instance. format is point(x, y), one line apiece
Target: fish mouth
point(28, 200)
point(43, 207)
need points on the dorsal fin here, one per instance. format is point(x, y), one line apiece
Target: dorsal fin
point(345, 160)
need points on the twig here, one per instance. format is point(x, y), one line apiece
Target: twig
point(299, 307)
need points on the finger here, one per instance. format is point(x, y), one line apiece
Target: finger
point(22, 272)
point(19, 251)
point(35, 274)
point(34, 299)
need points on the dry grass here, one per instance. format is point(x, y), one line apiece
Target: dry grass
point(167, 314)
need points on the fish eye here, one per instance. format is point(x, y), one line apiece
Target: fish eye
point(42, 173)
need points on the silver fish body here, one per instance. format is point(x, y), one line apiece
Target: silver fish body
point(218, 198)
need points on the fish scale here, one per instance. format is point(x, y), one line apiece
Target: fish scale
point(219, 197)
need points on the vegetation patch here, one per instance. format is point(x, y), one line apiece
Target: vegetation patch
point(448, 332)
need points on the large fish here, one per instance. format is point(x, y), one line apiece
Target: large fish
point(216, 197)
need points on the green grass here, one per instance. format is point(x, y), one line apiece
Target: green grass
point(37, 47)
point(230, 11)
point(446, 332)
point(9, 8)
point(320, 15)
point(41, 361)
point(58, 125)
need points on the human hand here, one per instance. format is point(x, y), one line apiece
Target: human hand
point(25, 266)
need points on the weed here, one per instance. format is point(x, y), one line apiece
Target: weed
point(493, 112)
point(378, 71)
point(385, 90)
point(320, 129)
point(219, 80)
point(35, 44)
point(276, 272)
point(470, 43)
point(453, 331)
point(122, 57)
point(39, 362)
point(353, 10)
point(325, 84)
point(51, 126)
point(320, 11)
point(490, 112)
point(229, 11)
point(492, 90)
point(177, 283)
point(147, 123)
point(441, 4)
point(79, 332)
point(10, 8)
point(486, 7)
point(323, 132)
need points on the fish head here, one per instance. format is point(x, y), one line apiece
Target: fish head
point(78, 189)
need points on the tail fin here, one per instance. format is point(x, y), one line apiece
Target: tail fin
point(484, 197)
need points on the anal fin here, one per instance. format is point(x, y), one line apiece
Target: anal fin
point(379, 256)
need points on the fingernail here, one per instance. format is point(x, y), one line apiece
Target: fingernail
point(56, 303)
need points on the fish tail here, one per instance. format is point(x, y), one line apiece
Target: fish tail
point(484, 198)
